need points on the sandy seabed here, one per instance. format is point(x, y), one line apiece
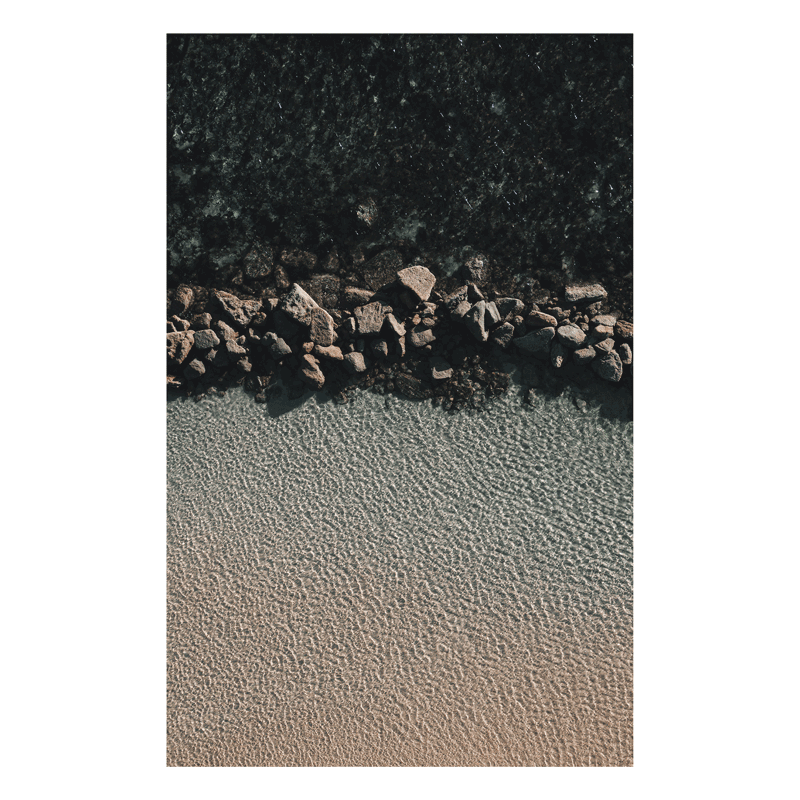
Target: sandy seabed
point(386, 584)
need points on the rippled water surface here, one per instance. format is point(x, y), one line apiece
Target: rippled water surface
point(386, 584)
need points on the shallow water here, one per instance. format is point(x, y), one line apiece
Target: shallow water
point(386, 584)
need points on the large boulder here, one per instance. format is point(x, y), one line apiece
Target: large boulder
point(419, 280)
point(298, 304)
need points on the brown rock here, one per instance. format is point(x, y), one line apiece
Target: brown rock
point(205, 340)
point(195, 369)
point(625, 354)
point(353, 297)
point(585, 294)
point(584, 355)
point(325, 289)
point(570, 336)
point(298, 304)
point(420, 336)
point(417, 279)
point(397, 328)
point(310, 372)
point(333, 353)
point(178, 346)
point(239, 311)
point(370, 318)
point(624, 330)
point(354, 362)
point(537, 319)
point(184, 297)
point(321, 328)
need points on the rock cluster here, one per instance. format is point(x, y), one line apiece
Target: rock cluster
point(406, 337)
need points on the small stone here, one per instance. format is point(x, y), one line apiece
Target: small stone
point(492, 316)
point(584, 355)
point(321, 327)
point(603, 331)
point(310, 372)
point(225, 331)
point(195, 369)
point(536, 341)
point(537, 319)
point(298, 304)
point(570, 336)
point(585, 294)
point(420, 336)
point(380, 347)
point(333, 353)
point(460, 311)
point(558, 353)
point(624, 330)
point(239, 311)
point(509, 306)
point(205, 340)
point(475, 319)
point(354, 362)
point(625, 354)
point(178, 346)
point(370, 318)
point(503, 335)
point(608, 366)
point(440, 369)
point(397, 328)
point(352, 297)
point(234, 350)
point(604, 319)
point(184, 297)
point(201, 321)
point(277, 347)
point(604, 346)
point(417, 279)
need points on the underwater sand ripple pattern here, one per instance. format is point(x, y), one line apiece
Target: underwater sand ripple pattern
point(385, 584)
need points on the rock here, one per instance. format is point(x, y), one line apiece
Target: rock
point(624, 330)
point(536, 341)
point(276, 346)
point(184, 297)
point(570, 336)
point(352, 297)
point(281, 277)
point(370, 318)
point(503, 335)
point(603, 331)
point(401, 346)
point(323, 289)
point(298, 304)
point(440, 369)
point(460, 295)
point(332, 352)
point(584, 355)
point(201, 321)
point(412, 387)
point(299, 261)
point(474, 294)
point(428, 310)
point(180, 324)
point(171, 327)
point(476, 269)
point(625, 354)
point(382, 269)
point(239, 311)
point(608, 366)
point(348, 327)
point(178, 346)
point(604, 346)
point(585, 294)
point(419, 280)
point(492, 316)
point(354, 362)
point(420, 336)
point(195, 369)
point(509, 306)
point(331, 263)
point(321, 328)
point(205, 340)
point(310, 372)
point(397, 328)
point(558, 353)
point(380, 347)
point(258, 261)
point(604, 319)
point(225, 331)
point(474, 319)
point(234, 350)
point(536, 319)
point(460, 311)
point(244, 365)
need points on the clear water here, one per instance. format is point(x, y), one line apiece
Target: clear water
point(386, 584)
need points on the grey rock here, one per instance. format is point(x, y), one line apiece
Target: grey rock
point(537, 319)
point(585, 294)
point(310, 372)
point(195, 369)
point(298, 304)
point(184, 297)
point(321, 329)
point(201, 321)
point(604, 319)
point(509, 306)
point(225, 331)
point(608, 366)
point(584, 355)
point(354, 362)
point(571, 336)
point(205, 340)
point(397, 328)
point(492, 316)
point(625, 353)
point(417, 279)
point(276, 346)
point(558, 353)
point(603, 331)
point(333, 353)
point(440, 369)
point(352, 297)
point(370, 318)
point(536, 341)
point(604, 346)
point(474, 319)
point(178, 346)
point(234, 350)
point(239, 311)
point(503, 335)
point(420, 336)
point(460, 311)
point(380, 347)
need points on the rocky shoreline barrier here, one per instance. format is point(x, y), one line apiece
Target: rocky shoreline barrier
point(413, 335)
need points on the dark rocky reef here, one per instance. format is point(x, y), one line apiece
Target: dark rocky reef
point(334, 161)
